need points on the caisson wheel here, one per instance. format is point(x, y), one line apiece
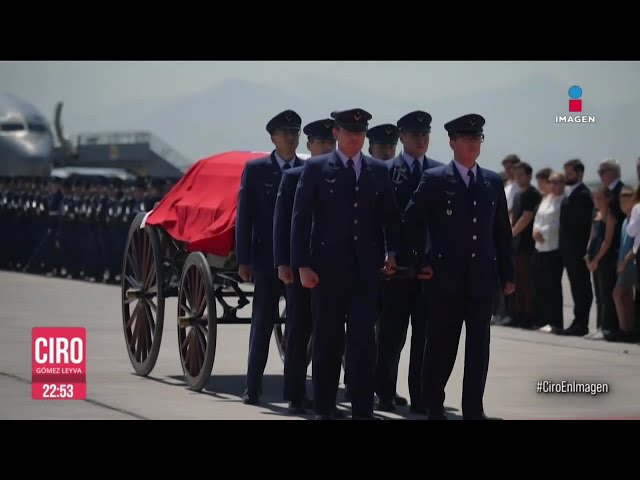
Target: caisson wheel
point(142, 296)
point(197, 322)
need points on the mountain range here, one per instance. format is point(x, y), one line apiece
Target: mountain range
point(519, 119)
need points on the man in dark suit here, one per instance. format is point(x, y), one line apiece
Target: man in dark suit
point(383, 140)
point(465, 209)
point(576, 215)
point(342, 201)
point(299, 324)
point(403, 298)
point(254, 240)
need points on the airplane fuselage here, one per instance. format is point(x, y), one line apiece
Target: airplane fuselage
point(26, 140)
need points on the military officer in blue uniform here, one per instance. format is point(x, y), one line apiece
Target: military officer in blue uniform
point(299, 324)
point(383, 141)
point(343, 201)
point(320, 141)
point(471, 247)
point(403, 298)
point(320, 138)
point(254, 240)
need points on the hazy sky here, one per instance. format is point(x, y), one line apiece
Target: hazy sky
point(98, 87)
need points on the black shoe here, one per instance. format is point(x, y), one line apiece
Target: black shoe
point(400, 401)
point(297, 408)
point(482, 416)
point(436, 414)
point(620, 336)
point(418, 410)
point(386, 406)
point(338, 414)
point(365, 417)
point(574, 331)
point(250, 399)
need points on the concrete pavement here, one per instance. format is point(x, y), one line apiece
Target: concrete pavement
point(519, 359)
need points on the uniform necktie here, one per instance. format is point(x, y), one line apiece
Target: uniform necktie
point(286, 166)
point(472, 178)
point(352, 169)
point(416, 173)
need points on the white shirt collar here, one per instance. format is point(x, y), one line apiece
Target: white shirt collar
point(571, 188)
point(464, 171)
point(614, 184)
point(409, 160)
point(281, 161)
point(356, 158)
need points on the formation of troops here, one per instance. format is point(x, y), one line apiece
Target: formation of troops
point(372, 243)
point(73, 228)
point(362, 244)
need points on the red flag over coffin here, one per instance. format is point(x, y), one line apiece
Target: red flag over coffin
point(200, 209)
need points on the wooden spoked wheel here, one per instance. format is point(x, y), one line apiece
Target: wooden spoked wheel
point(142, 296)
point(197, 322)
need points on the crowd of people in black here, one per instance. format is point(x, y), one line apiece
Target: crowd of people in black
point(561, 225)
point(74, 227)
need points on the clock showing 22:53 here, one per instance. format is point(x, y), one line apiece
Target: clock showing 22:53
point(57, 390)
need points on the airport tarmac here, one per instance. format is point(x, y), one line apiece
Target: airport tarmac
point(519, 360)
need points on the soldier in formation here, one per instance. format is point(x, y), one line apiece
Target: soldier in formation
point(343, 226)
point(73, 228)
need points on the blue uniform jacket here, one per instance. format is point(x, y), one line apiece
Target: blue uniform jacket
point(254, 218)
point(471, 242)
point(404, 185)
point(336, 227)
point(282, 216)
